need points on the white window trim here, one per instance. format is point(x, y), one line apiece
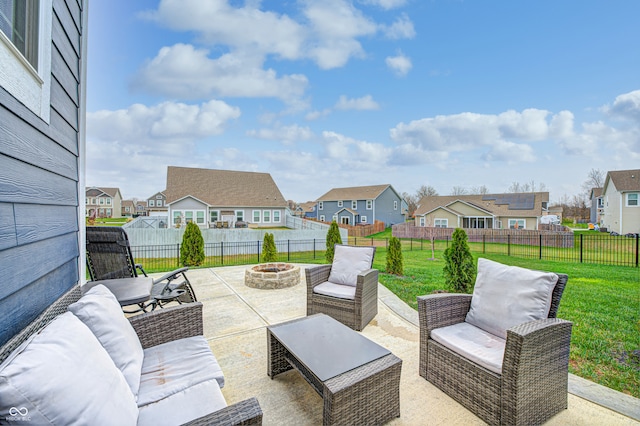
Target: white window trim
point(369, 204)
point(273, 216)
point(445, 221)
point(19, 78)
point(340, 203)
point(335, 217)
point(241, 218)
point(363, 219)
point(320, 205)
point(204, 217)
point(626, 199)
point(354, 204)
point(217, 212)
point(322, 218)
point(266, 216)
point(395, 204)
point(259, 215)
point(512, 223)
point(422, 222)
point(152, 203)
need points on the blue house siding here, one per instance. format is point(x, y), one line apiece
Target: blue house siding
point(382, 209)
point(40, 180)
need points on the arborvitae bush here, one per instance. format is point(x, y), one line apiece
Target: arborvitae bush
point(459, 269)
point(192, 248)
point(269, 251)
point(333, 238)
point(395, 264)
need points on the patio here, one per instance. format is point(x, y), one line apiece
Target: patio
point(235, 319)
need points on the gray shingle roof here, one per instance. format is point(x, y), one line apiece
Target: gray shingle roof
point(223, 188)
point(625, 180)
point(354, 193)
point(488, 202)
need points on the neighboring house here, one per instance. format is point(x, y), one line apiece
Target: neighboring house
point(103, 202)
point(157, 204)
point(362, 205)
point(491, 211)
point(597, 205)
point(141, 208)
point(216, 198)
point(128, 208)
point(557, 210)
point(621, 196)
point(309, 210)
point(42, 128)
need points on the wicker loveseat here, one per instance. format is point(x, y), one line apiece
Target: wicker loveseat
point(70, 365)
point(516, 373)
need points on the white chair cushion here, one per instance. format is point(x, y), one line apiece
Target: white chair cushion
point(63, 374)
point(472, 343)
point(181, 407)
point(100, 311)
point(348, 262)
point(505, 296)
point(336, 290)
point(174, 366)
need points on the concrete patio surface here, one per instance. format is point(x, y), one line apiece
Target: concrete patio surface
point(235, 320)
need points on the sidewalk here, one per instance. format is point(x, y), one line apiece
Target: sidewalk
point(235, 318)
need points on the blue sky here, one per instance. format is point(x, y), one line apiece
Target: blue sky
point(335, 93)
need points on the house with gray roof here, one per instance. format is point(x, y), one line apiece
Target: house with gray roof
point(362, 205)
point(223, 198)
point(597, 205)
point(489, 211)
point(621, 202)
point(157, 204)
point(103, 202)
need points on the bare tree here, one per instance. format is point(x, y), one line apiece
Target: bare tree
point(426, 191)
point(530, 186)
point(595, 179)
point(412, 203)
point(514, 187)
point(479, 190)
point(459, 190)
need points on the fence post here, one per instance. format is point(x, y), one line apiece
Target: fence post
point(314, 249)
point(178, 255)
point(484, 243)
point(221, 252)
point(541, 246)
point(288, 250)
point(411, 244)
point(637, 246)
point(508, 244)
point(258, 250)
point(581, 235)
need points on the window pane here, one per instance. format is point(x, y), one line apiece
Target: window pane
point(214, 215)
point(276, 216)
point(256, 216)
point(176, 218)
point(200, 216)
point(240, 215)
point(266, 216)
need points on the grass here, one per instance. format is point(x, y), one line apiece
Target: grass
point(108, 221)
point(603, 302)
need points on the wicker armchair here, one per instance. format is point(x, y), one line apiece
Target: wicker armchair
point(357, 305)
point(532, 384)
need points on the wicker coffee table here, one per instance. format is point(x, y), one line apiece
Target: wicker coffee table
point(359, 380)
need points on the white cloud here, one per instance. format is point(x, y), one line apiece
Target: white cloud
point(385, 4)
point(626, 105)
point(314, 115)
point(363, 103)
point(401, 28)
point(186, 72)
point(399, 64)
point(286, 134)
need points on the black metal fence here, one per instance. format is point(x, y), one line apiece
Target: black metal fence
point(596, 248)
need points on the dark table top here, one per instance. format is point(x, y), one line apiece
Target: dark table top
point(128, 291)
point(325, 346)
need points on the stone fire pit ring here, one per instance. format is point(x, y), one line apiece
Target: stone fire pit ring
point(269, 276)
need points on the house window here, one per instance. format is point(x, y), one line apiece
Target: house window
point(354, 204)
point(340, 204)
point(276, 216)
point(256, 216)
point(19, 23)
point(441, 223)
point(102, 201)
point(363, 219)
point(108, 212)
point(321, 218)
point(344, 220)
point(632, 199)
point(600, 203)
point(176, 217)
point(213, 216)
point(516, 223)
point(108, 201)
point(152, 203)
point(421, 220)
point(200, 217)
point(320, 205)
point(188, 216)
point(395, 205)
point(335, 217)
point(240, 215)
point(266, 216)
point(158, 197)
point(369, 204)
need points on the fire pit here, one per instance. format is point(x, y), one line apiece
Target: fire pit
point(272, 276)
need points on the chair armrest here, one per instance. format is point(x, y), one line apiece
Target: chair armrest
point(367, 279)
point(317, 275)
point(539, 339)
point(247, 412)
point(170, 275)
point(441, 310)
point(168, 324)
point(139, 266)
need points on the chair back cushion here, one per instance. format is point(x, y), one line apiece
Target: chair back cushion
point(348, 262)
point(505, 296)
point(99, 310)
point(63, 375)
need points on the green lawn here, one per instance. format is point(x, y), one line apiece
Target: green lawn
point(603, 302)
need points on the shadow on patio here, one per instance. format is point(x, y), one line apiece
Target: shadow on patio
point(235, 318)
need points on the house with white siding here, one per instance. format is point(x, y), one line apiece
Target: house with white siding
point(621, 202)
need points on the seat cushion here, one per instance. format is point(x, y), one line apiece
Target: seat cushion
point(99, 310)
point(63, 374)
point(181, 407)
point(336, 290)
point(472, 343)
point(348, 262)
point(174, 366)
point(505, 296)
